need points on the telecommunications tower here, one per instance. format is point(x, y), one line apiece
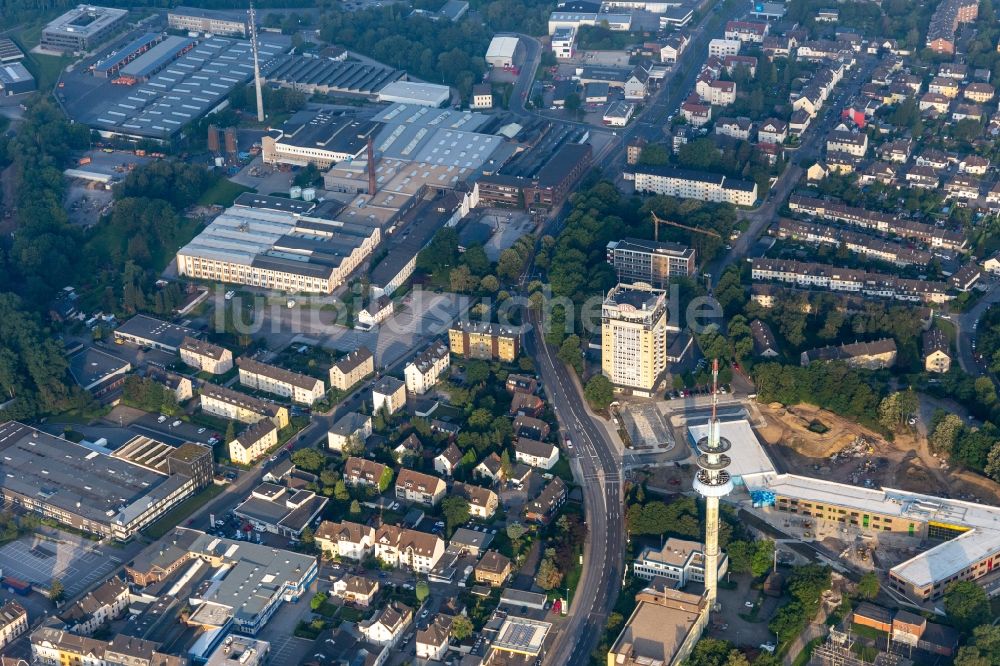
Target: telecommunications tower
point(712, 482)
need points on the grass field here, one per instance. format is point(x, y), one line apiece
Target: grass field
point(179, 513)
point(223, 193)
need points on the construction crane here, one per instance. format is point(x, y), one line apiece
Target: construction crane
point(657, 221)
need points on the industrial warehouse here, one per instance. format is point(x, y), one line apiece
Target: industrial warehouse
point(88, 489)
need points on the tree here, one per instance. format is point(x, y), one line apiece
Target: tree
point(309, 460)
point(710, 652)
point(966, 604)
point(654, 154)
point(945, 434)
point(461, 628)
point(340, 492)
point(984, 649)
point(490, 283)
point(599, 392)
point(355, 507)
point(570, 354)
point(455, 511)
point(763, 557)
point(318, 600)
point(868, 585)
point(741, 555)
point(515, 531)
point(422, 590)
point(56, 590)
point(548, 576)
point(307, 536)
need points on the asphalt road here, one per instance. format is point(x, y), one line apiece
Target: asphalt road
point(600, 466)
point(965, 330)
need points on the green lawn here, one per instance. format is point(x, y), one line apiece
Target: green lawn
point(867, 632)
point(46, 68)
point(175, 516)
point(223, 193)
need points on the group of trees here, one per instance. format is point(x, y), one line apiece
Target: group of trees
point(977, 448)
point(719, 652)
point(564, 546)
point(806, 584)
point(854, 394)
point(752, 557)
point(679, 518)
point(149, 395)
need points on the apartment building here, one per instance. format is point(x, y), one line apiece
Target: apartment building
point(389, 393)
point(873, 355)
point(236, 406)
point(205, 356)
point(190, 19)
point(13, 622)
point(345, 539)
point(979, 92)
point(945, 21)
point(432, 640)
point(410, 549)
point(253, 443)
point(936, 351)
point(357, 590)
point(871, 246)
point(352, 368)
point(55, 647)
point(546, 505)
point(834, 278)
point(929, 234)
point(747, 31)
point(349, 433)
point(841, 141)
point(696, 114)
point(652, 262)
point(634, 338)
point(723, 47)
point(690, 184)
point(299, 388)
point(484, 340)
point(419, 488)
point(107, 602)
point(678, 560)
point(715, 91)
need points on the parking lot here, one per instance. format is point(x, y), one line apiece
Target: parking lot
point(40, 558)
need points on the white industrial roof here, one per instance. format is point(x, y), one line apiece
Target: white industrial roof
point(748, 456)
point(933, 565)
point(502, 47)
point(412, 91)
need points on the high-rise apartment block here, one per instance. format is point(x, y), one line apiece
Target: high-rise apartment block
point(634, 338)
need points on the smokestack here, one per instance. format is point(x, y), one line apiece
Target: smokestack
point(256, 63)
point(371, 166)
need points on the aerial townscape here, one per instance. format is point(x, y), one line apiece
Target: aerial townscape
point(500, 333)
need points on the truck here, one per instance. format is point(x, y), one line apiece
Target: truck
point(17, 586)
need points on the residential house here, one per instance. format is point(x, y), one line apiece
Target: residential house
point(493, 569)
point(981, 93)
point(736, 128)
point(377, 311)
point(637, 84)
point(491, 467)
point(695, 113)
point(357, 590)
point(433, 640)
point(544, 507)
point(389, 393)
point(352, 368)
point(350, 432)
point(773, 131)
point(935, 101)
point(345, 540)
point(841, 141)
point(482, 96)
point(528, 426)
point(251, 444)
point(13, 622)
point(937, 351)
point(535, 453)
point(412, 486)
point(526, 404)
point(426, 368)
point(179, 385)
point(366, 473)
point(941, 85)
point(869, 355)
point(448, 460)
point(205, 356)
point(101, 605)
point(521, 384)
point(411, 448)
point(401, 547)
point(388, 625)
point(483, 502)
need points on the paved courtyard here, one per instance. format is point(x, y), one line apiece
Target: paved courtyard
point(75, 561)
